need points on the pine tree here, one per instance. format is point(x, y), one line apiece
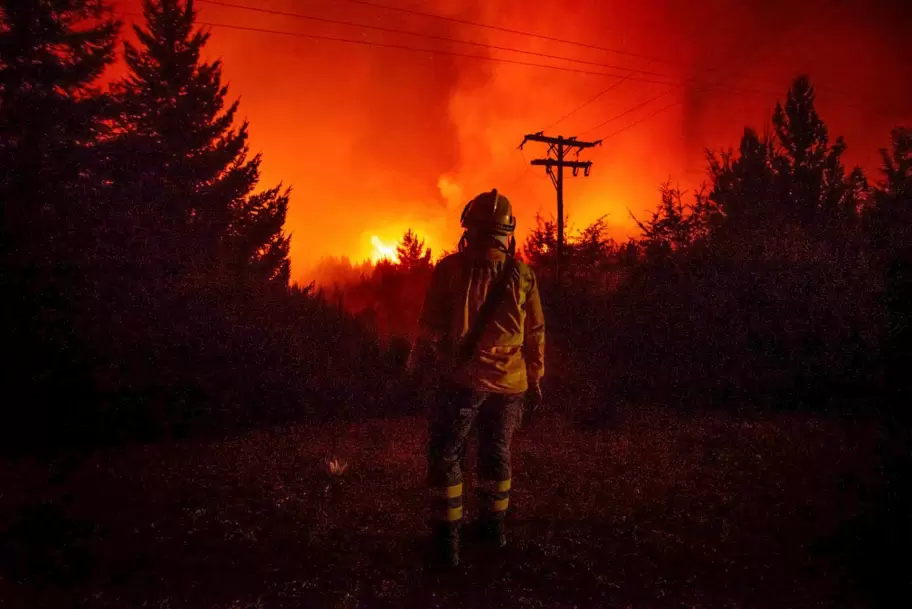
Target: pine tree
point(52, 53)
point(787, 194)
point(888, 220)
point(195, 179)
point(812, 176)
point(255, 239)
point(895, 192)
point(890, 235)
point(744, 186)
point(412, 253)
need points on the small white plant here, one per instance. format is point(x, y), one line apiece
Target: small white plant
point(336, 466)
point(334, 481)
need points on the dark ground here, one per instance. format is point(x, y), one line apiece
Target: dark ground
point(661, 510)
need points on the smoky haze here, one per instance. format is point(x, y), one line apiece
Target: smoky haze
point(376, 140)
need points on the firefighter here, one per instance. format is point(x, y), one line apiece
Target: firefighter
point(485, 385)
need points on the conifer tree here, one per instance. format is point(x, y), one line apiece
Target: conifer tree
point(412, 253)
point(195, 180)
point(782, 192)
point(889, 222)
point(52, 53)
point(812, 176)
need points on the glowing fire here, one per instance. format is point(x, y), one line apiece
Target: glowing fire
point(382, 251)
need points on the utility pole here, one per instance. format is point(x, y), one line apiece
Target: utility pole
point(558, 148)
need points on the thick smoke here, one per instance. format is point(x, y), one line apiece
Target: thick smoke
point(377, 140)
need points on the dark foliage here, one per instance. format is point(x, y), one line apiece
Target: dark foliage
point(146, 284)
point(191, 201)
point(151, 273)
point(888, 230)
point(411, 253)
point(150, 276)
point(52, 121)
point(781, 283)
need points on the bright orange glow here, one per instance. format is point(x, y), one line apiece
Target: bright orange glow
point(383, 251)
point(375, 140)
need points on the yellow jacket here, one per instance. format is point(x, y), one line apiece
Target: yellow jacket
point(511, 350)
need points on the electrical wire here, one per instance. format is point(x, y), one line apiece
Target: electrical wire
point(651, 115)
point(642, 120)
point(523, 174)
point(626, 112)
point(576, 43)
point(622, 78)
point(597, 96)
point(405, 48)
point(507, 30)
point(378, 28)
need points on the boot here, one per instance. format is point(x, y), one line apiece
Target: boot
point(491, 530)
point(445, 542)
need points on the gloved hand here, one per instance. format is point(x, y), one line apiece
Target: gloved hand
point(533, 399)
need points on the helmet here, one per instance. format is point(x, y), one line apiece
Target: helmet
point(489, 212)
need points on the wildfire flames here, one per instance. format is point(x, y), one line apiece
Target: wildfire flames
point(376, 135)
point(383, 251)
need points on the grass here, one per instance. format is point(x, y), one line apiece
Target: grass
point(661, 510)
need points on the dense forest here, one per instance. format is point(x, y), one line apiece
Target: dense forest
point(726, 417)
point(147, 273)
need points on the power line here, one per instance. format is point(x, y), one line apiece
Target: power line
point(432, 51)
point(626, 112)
point(669, 106)
point(560, 147)
point(507, 30)
point(526, 171)
point(608, 89)
point(394, 46)
point(458, 54)
point(629, 76)
point(440, 38)
point(535, 35)
point(402, 47)
point(642, 105)
point(643, 119)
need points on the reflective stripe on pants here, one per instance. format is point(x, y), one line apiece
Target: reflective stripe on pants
point(494, 495)
point(446, 503)
point(451, 421)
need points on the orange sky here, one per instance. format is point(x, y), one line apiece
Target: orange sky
point(376, 140)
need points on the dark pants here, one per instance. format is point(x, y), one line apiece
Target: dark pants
point(452, 417)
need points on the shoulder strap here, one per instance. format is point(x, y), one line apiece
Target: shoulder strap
point(495, 296)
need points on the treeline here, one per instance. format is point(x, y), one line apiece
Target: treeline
point(784, 281)
point(144, 268)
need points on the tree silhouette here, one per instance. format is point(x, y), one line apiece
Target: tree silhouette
point(785, 195)
point(590, 256)
point(674, 225)
point(889, 217)
point(195, 180)
point(540, 247)
point(744, 196)
point(888, 224)
point(412, 253)
point(813, 178)
point(52, 54)
point(52, 121)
